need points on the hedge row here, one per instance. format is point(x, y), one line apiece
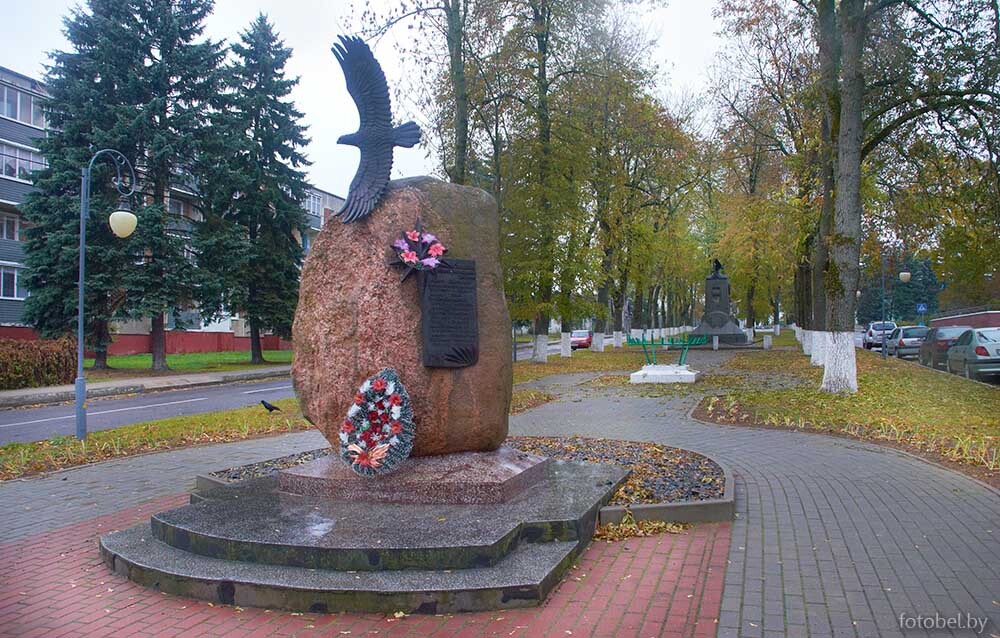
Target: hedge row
point(32, 364)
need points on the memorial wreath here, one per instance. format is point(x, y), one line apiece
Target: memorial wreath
point(377, 434)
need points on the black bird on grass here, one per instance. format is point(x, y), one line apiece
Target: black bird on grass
point(270, 407)
point(376, 136)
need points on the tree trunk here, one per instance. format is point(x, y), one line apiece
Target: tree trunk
point(540, 354)
point(256, 352)
point(454, 15)
point(102, 337)
point(830, 51)
point(158, 342)
point(841, 280)
point(803, 289)
point(565, 349)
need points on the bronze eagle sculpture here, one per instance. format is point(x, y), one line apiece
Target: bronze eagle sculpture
point(376, 135)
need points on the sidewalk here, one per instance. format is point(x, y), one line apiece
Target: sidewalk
point(137, 385)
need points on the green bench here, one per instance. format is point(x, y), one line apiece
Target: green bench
point(684, 342)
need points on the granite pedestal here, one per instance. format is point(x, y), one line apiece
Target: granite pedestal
point(464, 477)
point(257, 544)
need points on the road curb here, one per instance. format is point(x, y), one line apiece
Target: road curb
point(36, 396)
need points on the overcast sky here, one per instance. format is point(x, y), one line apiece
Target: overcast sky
point(685, 28)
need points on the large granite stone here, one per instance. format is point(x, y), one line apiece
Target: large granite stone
point(354, 318)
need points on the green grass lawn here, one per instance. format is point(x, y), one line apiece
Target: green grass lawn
point(610, 360)
point(138, 364)
point(896, 401)
point(22, 459)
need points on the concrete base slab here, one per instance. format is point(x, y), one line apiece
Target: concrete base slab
point(465, 477)
point(664, 373)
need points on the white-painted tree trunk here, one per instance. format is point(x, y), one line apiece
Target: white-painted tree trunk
point(840, 372)
point(798, 334)
point(807, 342)
point(618, 338)
point(597, 343)
point(777, 329)
point(817, 344)
point(565, 348)
point(540, 354)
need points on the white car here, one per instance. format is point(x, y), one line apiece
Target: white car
point(976, 353)
point(905, 341)
point(873, 336)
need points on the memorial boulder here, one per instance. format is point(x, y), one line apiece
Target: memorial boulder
point(446, 331)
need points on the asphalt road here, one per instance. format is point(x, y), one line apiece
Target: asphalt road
point(34, 424)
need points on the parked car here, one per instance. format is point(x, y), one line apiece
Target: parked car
point(580, 339)
point(976, 353)
point(873, 336)
point(934, 349)
point(905, 341)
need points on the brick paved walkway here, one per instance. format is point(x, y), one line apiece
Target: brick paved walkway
point(54, 584)
point(833, 538)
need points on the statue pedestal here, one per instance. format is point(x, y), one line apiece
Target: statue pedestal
point(718, 320)
point(664, 373)
point(465, 477)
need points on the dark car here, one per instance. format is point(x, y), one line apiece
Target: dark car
point(934, 349)
point(580, 339)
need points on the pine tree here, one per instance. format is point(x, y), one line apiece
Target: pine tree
point(174, 84)
point(89, 109)
point(248, 244)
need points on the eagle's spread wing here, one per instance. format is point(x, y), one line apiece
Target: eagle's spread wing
point(369, 182)
point(365, 82)
point(367, 86)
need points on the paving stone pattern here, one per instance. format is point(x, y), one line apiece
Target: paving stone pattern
point(833, 537)
point(667, 585)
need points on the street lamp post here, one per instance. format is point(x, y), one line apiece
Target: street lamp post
point(904, 276)
point(122, 222)
point(883, 304)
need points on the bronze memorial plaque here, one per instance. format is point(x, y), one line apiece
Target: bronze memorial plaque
point(448, 316)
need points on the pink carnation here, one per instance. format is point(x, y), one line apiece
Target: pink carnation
point(413, 235)
point(436, 250)
point(409, 257)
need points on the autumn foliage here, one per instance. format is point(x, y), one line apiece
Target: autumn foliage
point(31, 364)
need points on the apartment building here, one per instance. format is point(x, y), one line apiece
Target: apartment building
point(22, 123)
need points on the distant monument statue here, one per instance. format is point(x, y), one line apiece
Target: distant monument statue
point(718, 320)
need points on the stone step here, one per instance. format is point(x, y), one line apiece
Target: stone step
point(255, 522)
point(523, 578)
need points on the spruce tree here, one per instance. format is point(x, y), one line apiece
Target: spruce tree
point(175, 84)
point(89, 109)
point(253, 185)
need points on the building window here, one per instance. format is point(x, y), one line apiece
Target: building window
point(19, 162)
point(9, 228)
point(21, 106)
point(175, 207)
point(11, 283)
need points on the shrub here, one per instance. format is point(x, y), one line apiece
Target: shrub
point(32, 364)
